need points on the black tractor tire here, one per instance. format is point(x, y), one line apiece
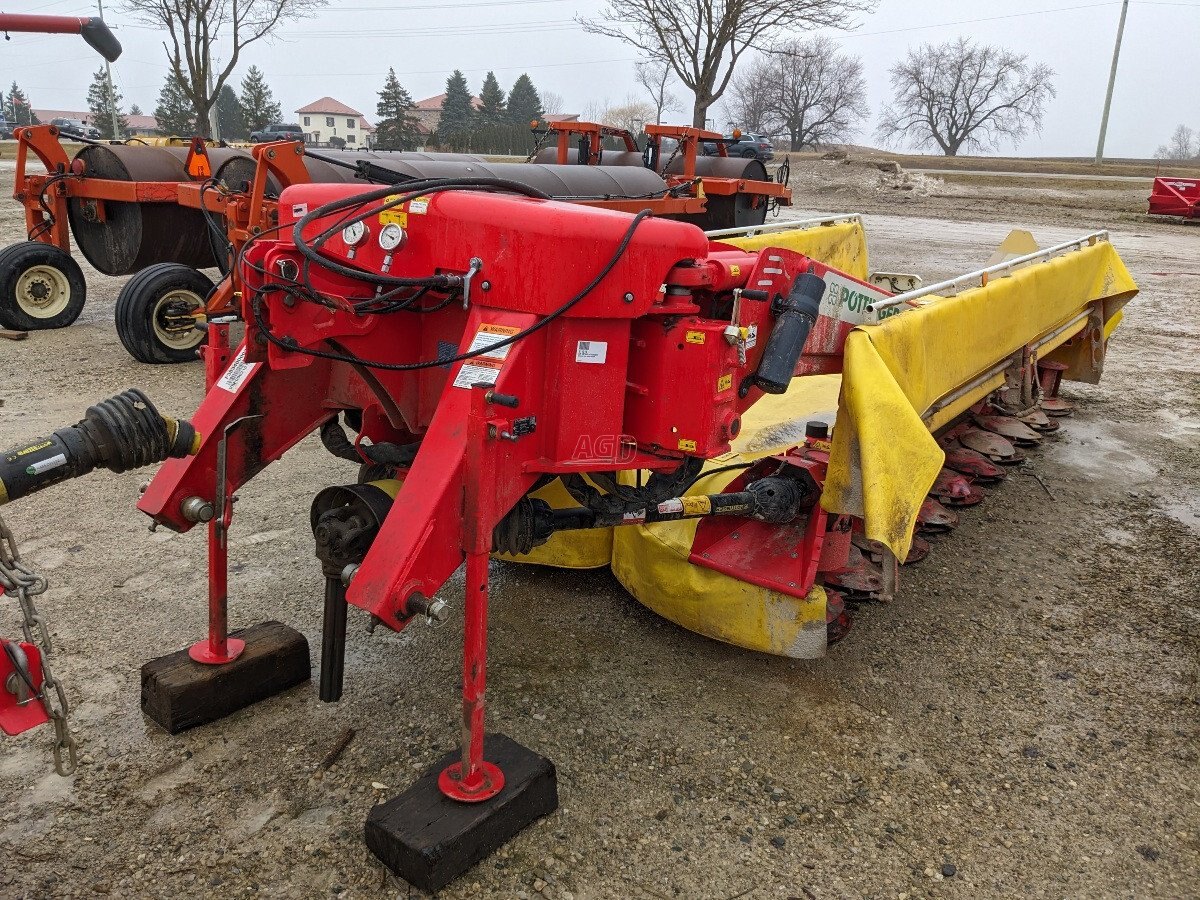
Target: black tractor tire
point(41, 287)
point(150, 312)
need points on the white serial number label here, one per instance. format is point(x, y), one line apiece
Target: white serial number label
point(237, 373)
point(591, 352)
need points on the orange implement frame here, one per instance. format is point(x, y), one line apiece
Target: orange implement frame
point(588, 137)
point(247, 214)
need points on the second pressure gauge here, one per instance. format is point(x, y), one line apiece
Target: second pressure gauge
point(391, 237)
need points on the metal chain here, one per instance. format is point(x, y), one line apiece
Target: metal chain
point(18, 580)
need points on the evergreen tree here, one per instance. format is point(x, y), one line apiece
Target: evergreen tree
point(458, 110)
point(258, 103)
point(102, 103)
point(491, 102)
point(230, 116)
point(17, 109)
point(175, 113)
point(396, 128)
point(524, 104)
point(135, 110)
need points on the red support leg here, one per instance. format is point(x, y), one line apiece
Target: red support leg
point(219, 648)
point(473, 778)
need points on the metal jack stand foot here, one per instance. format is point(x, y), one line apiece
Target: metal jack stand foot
point(224, 672)
point(480, 796)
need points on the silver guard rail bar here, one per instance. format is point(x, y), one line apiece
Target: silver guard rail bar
point(981, 276)
point(751, 230)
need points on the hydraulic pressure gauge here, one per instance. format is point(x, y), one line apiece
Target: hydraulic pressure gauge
point(391, 237)
point(354, 233)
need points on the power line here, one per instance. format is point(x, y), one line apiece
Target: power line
point(1036, 12)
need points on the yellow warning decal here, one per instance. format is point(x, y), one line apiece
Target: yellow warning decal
point(735, 270)
point(32, 449)
point(724, 383)
point(694, 337)
point(696, 506)
point(395, 215)
point(687, 445)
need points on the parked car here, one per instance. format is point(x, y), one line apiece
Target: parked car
point(5, 131)
point(76, 128)
point(756, 146)
point(277, 133)
point(751, 146)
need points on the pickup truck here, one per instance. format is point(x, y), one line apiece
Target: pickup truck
point(277, 133)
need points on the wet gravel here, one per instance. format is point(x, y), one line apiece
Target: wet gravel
point(1021, 721)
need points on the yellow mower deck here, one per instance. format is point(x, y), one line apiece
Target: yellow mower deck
point(903, 379)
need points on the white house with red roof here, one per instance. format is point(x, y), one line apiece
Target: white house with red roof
point(325, 119)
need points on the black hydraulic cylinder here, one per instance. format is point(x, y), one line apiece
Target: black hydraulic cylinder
point(122, 433)
point(333, 641)
point(795, 316)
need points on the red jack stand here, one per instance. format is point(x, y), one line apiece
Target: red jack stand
point(223, 673)
point(463, 809)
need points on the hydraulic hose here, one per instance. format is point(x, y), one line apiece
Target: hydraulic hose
point(122, 433)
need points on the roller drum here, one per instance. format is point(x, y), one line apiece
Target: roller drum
point(132, 236)
point(581, 182)
point(548, 156)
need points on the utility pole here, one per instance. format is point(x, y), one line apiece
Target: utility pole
point(112, 95)
point(1112, 80)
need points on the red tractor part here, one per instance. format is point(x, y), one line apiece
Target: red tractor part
point(474, 342)
point(1175, 197)
point(93, 30)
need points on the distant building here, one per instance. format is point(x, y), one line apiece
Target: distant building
point(138, 126)
point(429, 113)
point(327, 118)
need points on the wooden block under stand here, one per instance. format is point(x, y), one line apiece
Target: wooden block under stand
point(179, 693)
point(429, 840)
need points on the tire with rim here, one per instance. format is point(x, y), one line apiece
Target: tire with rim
point(750, 153)
point(156, 312)
point(40, 287)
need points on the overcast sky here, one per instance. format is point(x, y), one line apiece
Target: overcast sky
point(346, 51)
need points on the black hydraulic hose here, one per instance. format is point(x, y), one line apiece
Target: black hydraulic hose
point(288, 344)
point(358, 200)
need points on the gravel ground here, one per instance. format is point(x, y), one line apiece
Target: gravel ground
point(1022, 720)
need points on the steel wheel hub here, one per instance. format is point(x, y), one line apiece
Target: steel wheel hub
point(43, 292)
point(175, 317)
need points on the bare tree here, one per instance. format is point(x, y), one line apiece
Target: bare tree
point(552, 102)
point(654, 75)
point(750, 101)
point(820, 92)
point(631, 115)
point(963, 95)
point(193, 27)
point(703, 40)
point(1181, 146)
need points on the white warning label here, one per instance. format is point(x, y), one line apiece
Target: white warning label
point(485, 368)
point(239, 370)
point(591, 351)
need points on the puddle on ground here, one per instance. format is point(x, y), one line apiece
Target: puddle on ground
point(1099, 454)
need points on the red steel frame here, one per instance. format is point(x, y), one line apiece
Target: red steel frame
point(470, 471)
